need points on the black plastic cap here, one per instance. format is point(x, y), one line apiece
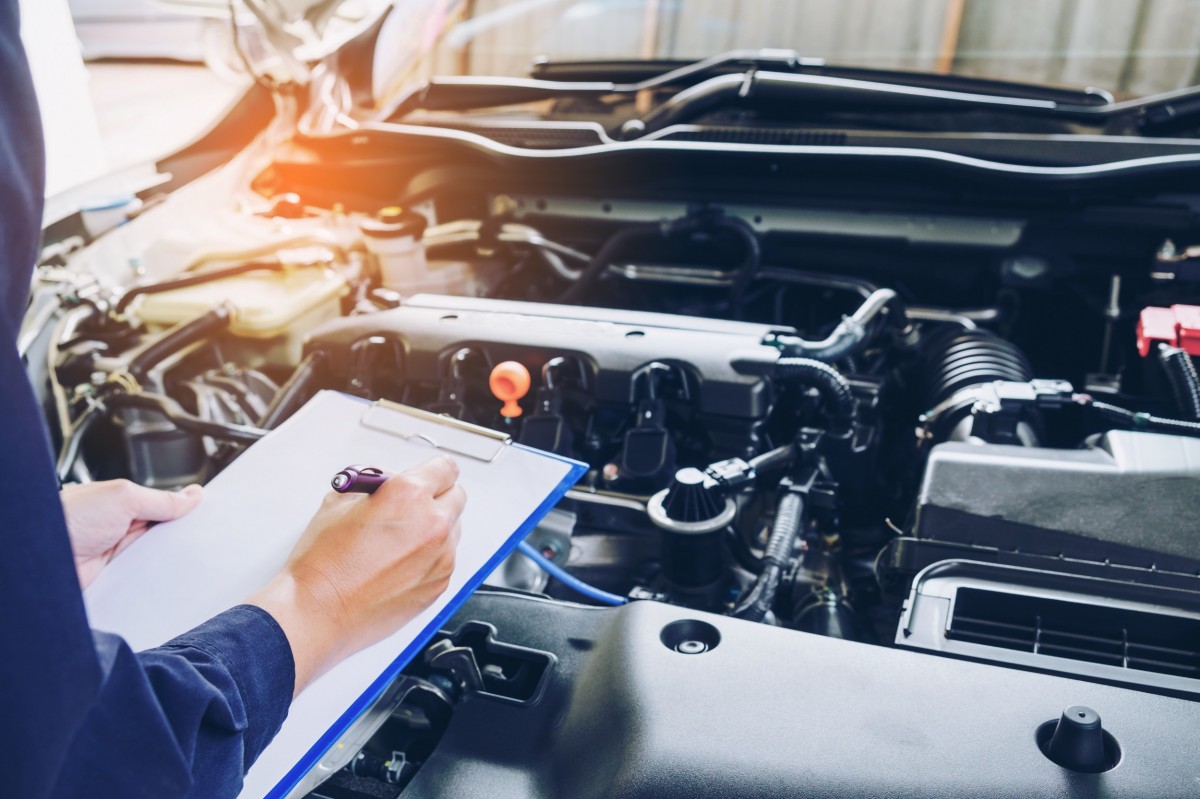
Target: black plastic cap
point(1079, 743)
point(693, 497)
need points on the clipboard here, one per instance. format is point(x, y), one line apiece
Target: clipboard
point(245, 535)
point(455, 438)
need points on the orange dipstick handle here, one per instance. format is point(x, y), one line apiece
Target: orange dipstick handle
point(509, 382)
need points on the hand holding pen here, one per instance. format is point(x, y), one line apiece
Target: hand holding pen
point(363, 569)
point(358, 480)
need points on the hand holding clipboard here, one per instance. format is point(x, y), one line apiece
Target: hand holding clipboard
point(246, 529)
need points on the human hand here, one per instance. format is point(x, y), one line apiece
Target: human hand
point(106, 517)
point(366, 565)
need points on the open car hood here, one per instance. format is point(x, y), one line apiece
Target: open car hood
point(293, 35)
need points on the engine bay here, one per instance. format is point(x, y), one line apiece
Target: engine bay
point(961, 423)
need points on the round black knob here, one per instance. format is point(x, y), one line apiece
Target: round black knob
point(693, 497)
point(693, 514)
point(1078, 742)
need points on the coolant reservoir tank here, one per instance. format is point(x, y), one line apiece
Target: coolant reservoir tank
point(267, 303)
point(281, 305)
point(393, 237)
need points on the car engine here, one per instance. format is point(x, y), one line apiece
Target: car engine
point(930, 455)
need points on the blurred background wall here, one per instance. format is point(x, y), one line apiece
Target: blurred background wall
point(1130, 47)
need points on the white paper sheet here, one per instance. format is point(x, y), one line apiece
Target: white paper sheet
point(184, 572)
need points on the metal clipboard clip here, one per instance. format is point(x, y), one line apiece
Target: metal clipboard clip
point(444, 433)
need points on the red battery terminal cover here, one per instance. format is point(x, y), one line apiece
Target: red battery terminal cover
point(1178, 326)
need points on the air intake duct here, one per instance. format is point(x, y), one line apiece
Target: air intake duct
point(955, 361)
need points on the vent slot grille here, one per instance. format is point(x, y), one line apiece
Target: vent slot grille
point(773, 136)
point(1129, 639)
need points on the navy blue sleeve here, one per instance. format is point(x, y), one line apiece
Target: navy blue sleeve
point(185, 719)
point(80, 714)
point(22, 173)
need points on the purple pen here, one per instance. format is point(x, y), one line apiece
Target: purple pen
point(358, 480)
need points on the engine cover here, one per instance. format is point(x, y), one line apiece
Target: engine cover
point(726, 361)
point(774, 713)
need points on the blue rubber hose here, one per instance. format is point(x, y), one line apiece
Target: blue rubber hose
point(567, 579)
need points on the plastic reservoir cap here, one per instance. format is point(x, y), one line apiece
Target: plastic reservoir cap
point(509, 382)
point(395, 222)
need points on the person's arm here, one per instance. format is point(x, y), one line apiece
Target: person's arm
point(190, 717)
point(365, 566)
point(186, 719)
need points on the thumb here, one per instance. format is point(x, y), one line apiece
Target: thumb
point(154, 505)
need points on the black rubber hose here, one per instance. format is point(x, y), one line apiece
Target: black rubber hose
point(604, 258)
point(898, 314)
point(1181, 373)
point(741, 551)
point(184, 420)
point(295, 392)
point(834, 389)
point(194, 280)
point(142, 360)
point(789, 519)
point(780, 456)
point(751, 260)
point(1138, 419)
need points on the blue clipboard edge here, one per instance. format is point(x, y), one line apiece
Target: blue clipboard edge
point(376, 689)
